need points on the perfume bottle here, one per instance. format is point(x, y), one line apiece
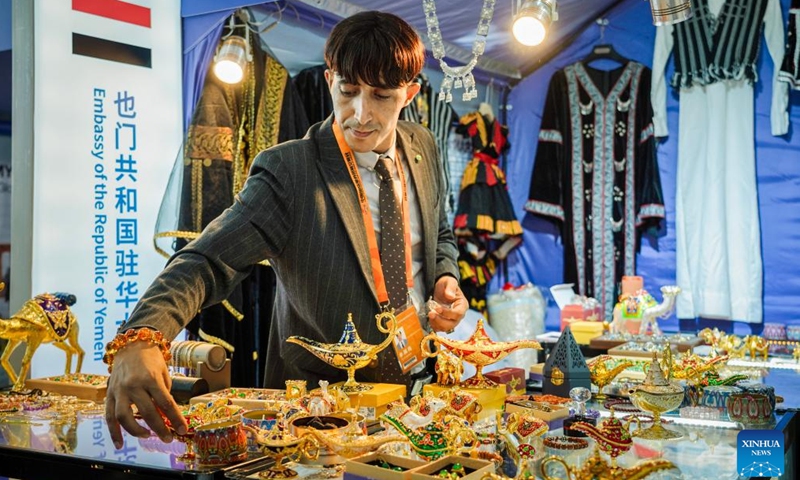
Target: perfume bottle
point(579, 396)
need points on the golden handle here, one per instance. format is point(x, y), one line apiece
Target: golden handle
point(550, 459)
point(425, 346)
point(391, 322)
point(310, 447)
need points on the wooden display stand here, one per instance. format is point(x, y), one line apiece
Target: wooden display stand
point(67, 385)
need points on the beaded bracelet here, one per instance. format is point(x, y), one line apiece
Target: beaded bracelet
point(123, 339)
point(561, 442)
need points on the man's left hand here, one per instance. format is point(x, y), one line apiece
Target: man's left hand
point(452, 305)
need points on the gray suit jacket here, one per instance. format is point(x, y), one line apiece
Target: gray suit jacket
point(299, 210)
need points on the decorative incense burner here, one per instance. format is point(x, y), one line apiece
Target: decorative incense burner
point(479, 350)
point(350, 353)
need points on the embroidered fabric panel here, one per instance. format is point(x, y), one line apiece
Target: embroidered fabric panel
point(647, 133)
point(550, 136)
point(650, 211)
point(711, 48)
point(578, 221)
point(604, 254)
point(544, 208)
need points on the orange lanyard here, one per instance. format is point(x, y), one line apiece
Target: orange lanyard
point(372, 241)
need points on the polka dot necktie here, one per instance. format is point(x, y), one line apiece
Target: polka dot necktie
point(393, 260)
point(393, 252)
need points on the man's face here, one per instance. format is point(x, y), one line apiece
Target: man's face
point(368, 115)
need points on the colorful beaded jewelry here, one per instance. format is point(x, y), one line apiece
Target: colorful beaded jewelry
point(123, 339)
point(565, 443)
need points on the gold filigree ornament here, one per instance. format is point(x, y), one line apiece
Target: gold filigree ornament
point(350, 353)
point(479, 350)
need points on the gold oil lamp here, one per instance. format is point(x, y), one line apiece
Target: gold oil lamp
point(479, 350)
point(601, 375)
point(595, 468)
point(657, 395)
point(350, 353)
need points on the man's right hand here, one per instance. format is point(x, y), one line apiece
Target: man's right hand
point(140, 377)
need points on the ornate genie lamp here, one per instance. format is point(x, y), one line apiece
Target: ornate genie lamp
point(351, 441)
point(596, 468)
point(657, 395)
point(350, 353)
point(278, 444)
point(479, 350)
point(601, 375)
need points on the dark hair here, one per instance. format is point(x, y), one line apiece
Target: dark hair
point(377, 48)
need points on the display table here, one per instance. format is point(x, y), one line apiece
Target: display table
point(45, 450)
point(34, 446)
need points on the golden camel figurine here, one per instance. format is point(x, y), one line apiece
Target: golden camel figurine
point(43, 319)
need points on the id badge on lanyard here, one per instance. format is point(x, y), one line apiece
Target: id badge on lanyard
point(407, 342)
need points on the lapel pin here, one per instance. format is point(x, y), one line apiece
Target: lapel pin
point(417, 158)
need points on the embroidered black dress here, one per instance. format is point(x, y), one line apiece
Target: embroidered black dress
point(596, 173)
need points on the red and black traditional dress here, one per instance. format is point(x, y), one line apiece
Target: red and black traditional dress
point(485, 223)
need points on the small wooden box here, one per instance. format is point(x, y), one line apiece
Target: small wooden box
point(81, 385)
point(490, 399)
point(584, 332)
point(372, 403)
point(513, 379)
point(477, 468)
point(247, 398)
point(364, 467)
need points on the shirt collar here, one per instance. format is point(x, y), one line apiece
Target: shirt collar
point(369, 159)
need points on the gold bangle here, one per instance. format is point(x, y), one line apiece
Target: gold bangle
point(123, 339)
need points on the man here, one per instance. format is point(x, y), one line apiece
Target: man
point(306, 207)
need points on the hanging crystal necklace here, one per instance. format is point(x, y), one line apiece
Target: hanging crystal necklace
point(457, 77)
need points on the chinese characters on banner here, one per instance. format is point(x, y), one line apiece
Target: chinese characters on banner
point(107, 129)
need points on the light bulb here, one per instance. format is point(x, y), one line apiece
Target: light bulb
point(529, 31)
point(228, 71)
point(231, 60)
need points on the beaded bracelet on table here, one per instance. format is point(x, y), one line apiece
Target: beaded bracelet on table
point(560, 442)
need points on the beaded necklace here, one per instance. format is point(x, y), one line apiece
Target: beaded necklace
point(457, 77)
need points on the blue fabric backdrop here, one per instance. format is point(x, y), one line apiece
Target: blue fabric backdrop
point(778, 166)
point(539, 259)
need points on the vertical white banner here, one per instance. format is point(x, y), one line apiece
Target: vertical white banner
point(107, 129)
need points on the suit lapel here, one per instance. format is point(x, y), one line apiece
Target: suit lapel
point(418, 164)
point(343, 193)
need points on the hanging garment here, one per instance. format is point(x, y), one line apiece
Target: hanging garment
point(790, 70)
point(230, 125)
point(718, 247)
point(484, 208)
point(596, 173)
point(428, 110)
point(312, 88)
